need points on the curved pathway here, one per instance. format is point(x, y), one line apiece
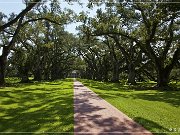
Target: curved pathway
point(94, 116)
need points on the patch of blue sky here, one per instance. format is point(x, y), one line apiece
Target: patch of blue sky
point(9, 6)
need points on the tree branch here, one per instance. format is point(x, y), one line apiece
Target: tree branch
point(27, 9)
point(174, 59)
point(6, 49)
point(42, 18)
point(168, 40)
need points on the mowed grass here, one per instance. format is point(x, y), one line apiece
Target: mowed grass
point(37, 107)
point(157, 111)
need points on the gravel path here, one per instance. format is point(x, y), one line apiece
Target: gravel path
point(95, 116)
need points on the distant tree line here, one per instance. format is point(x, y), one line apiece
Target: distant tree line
point(132, 39)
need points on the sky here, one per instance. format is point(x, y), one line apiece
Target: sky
point(9, 6)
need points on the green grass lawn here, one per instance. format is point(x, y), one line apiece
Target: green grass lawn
point(37, 107)
point(157, 111)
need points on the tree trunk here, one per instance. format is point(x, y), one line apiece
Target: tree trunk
point(163, 77)
point(98, 76)
point(131, 74)
point(37, 75)
point(87, 74)
point(53, 75)
point(24, 79)
point(24, 74)
point(105, 76)
point(46, 76)
point(2, 70)
point(115, 77)
point(164, 73)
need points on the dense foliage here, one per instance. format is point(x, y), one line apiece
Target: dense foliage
point(131, 40)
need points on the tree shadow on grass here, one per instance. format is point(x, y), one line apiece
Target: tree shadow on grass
point(170, 97)
point(36, 110)
point(105, 85)
point(140, 86)
point(151, 125)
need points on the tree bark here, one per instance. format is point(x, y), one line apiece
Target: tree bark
point(24, 74)
point(2, 70)
point(24, 79)
point(105, 78)
point(5, 53)
point(53, 74)
point(37, 75)
point(163, 77)
point(46, 76)
point(115, 77)
point(131, 74)
point(164, 73)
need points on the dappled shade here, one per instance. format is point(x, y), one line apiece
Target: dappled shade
point(44, 107)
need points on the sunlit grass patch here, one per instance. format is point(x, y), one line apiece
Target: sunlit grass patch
point(37, 107)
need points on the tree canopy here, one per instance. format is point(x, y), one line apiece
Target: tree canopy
point(132, 40)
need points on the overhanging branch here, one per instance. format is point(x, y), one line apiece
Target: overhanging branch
point(27, 9)
point(42, 18)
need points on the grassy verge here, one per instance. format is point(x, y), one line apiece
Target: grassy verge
point(37, 107)
point(157, 111)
